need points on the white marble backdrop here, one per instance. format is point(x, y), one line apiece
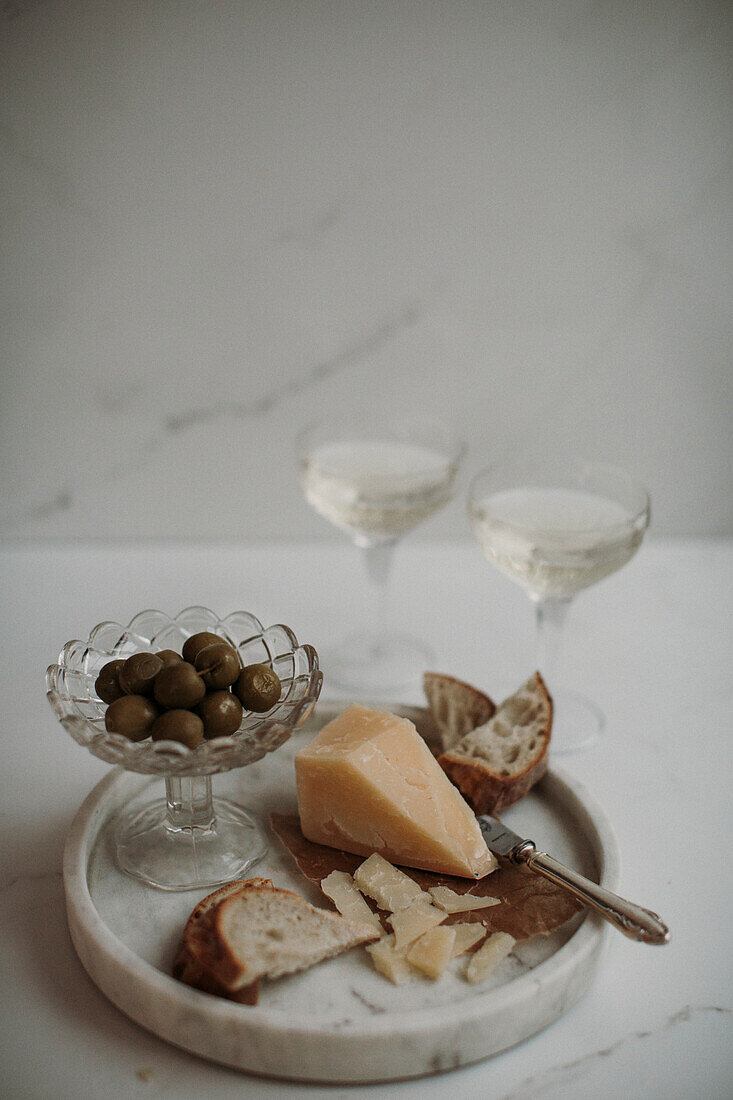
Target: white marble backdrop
point(221, 219)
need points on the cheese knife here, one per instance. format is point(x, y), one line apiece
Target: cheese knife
point(634, 921)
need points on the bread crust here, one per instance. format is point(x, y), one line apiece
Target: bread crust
point(190, 964)
point(191, 973)
point(203, 941)
point(206, 906)
point(485, 790)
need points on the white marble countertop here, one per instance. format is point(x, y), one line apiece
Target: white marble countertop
point(652, 645)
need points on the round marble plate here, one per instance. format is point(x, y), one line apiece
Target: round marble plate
point(339, 1021)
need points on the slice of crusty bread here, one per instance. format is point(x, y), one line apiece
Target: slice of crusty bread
point(266, 932)
point(495, 765)
point(187, 966)
point(456, 707)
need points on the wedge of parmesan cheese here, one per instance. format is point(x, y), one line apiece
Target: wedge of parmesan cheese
point(389, 962)
point(452, 902)
point(411, 923)
point(369, 783)
point(466, 936)
point(432, 952)
point(488, 956)
point(339, 887)
point(391, 888)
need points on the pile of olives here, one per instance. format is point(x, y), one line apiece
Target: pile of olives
point(195, 695)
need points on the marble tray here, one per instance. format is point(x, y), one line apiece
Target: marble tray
point(340, 1021)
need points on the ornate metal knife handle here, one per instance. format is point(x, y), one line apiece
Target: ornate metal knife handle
point(634, 921)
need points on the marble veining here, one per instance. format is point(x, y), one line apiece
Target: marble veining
point(25, 879)
point(557, 1076)
point(303, 183)
point(117, 400)
point(311, 232)
point(62, 501)
point(389, 328)
point(377, 1009)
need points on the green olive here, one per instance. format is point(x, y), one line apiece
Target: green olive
point(217, 665)
point(197, 642)
point(138, 673)
point(221, 713)
point(179, 725)
point(107, 684)
point(132, 716)
point(169, 657)
point(179, 686)
point(258, 688)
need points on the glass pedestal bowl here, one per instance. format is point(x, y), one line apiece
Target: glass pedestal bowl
point(188, 839)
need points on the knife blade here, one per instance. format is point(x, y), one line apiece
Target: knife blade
point(633, 920)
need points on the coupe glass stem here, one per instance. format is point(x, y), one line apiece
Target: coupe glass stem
point(550, 615)
point(189, 803)
point(378, 564)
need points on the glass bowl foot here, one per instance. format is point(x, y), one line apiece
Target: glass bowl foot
point(153, 847)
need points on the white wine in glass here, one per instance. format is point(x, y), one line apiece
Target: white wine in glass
point(555, 530)
point(376, 480)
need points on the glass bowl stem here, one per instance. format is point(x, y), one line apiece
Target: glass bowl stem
point(378, 560)
point(550, 615)
point(189, 802)
point(577, 721)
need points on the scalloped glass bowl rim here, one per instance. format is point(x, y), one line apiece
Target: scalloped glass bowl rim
point(258, 735)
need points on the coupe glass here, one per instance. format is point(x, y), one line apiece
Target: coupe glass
point(556, 529)
point(188, 839)
point(375, 479)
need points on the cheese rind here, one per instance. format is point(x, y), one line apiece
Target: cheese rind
point(368, 783)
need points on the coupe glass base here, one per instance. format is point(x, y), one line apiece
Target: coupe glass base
point(377, 664)
point(188, 857)
point(576, 722)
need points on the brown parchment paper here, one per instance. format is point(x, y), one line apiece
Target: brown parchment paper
point(530, 905)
